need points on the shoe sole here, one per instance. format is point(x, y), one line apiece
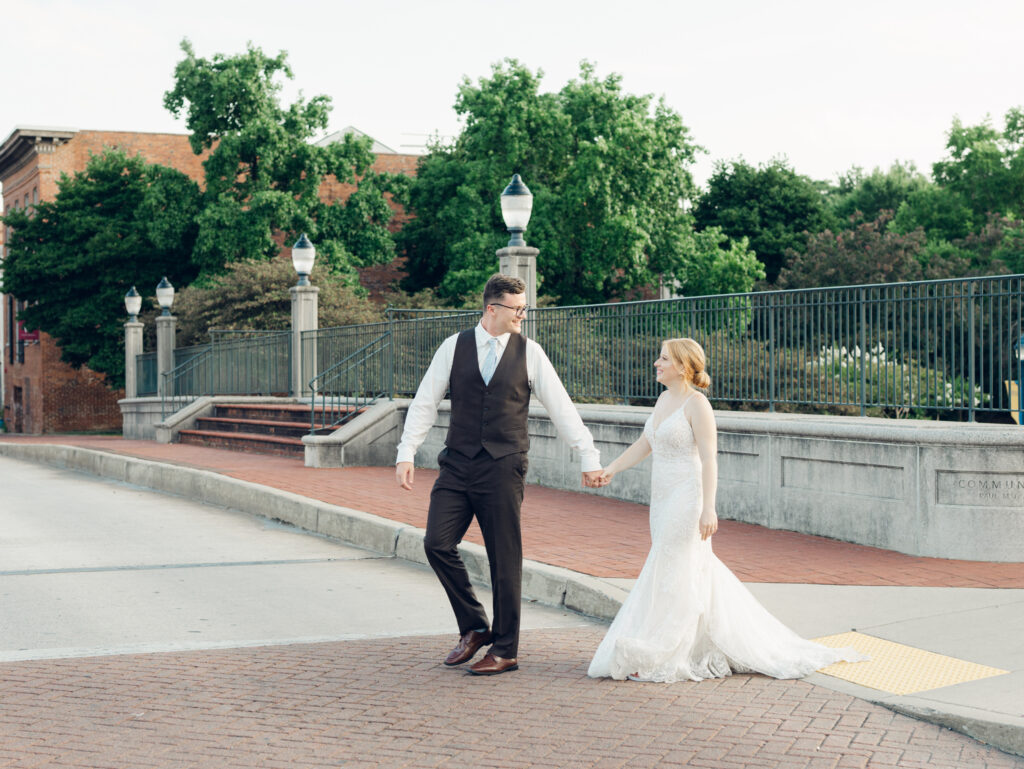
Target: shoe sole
point(493, 672)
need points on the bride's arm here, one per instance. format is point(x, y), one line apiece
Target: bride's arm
point(706, 435)
point(631, 456)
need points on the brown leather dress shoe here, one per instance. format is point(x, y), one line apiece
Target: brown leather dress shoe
point(467, 646)
point(491, 665)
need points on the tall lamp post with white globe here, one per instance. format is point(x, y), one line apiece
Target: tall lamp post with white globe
point(305, 303)
point(517, 258)
point(132, 342)
point(165, 337)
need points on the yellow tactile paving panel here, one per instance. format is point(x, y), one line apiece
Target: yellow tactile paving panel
point(899, 669)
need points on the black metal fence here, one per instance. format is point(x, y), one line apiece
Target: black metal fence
point(923, 348)
point(234, 363)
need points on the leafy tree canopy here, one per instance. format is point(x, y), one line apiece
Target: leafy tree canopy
point(717, 265)
point(865, 196)
point(608, 171)
point(254, 294)
point(986, 166)
point(263, 173)
point(771, 205)
point(868, 253)
point(942, 213)
point(118, 223)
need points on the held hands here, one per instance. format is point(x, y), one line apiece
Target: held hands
point(598, 479)
point(708, 523)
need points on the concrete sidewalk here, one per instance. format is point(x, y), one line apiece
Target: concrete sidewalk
point(583, 552)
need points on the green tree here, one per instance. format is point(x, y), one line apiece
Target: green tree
point(868, 253)
point(254, 294)
point(608, 171)
point(985, 166)
point(263, 172)
point(118, 223)
point(942, 213)
point(771, 205)
point(864, 196)
point(717, 265)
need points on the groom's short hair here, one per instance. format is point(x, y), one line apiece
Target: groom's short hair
point(498, 285)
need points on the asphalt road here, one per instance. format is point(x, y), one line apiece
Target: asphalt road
point(92, 567)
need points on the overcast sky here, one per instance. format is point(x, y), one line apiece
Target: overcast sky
point(827, 84)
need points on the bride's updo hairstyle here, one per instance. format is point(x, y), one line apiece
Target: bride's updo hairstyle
point(688, 358)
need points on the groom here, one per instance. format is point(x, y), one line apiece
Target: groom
point(490, 372)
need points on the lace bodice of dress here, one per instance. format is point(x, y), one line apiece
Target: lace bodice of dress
point(673, 441)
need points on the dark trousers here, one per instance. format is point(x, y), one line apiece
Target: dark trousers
point(491, 490)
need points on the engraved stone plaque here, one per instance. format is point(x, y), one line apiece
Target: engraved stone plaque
point(979, 489)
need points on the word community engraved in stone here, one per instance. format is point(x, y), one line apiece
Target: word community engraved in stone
point(993, 489)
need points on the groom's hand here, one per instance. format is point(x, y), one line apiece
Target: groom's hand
point(403, 473)
point(591, 479)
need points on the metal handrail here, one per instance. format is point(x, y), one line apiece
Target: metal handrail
point(345, 389)
point(234, 363)
point(169, 384)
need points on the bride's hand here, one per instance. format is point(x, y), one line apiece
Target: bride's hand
point(605, 478)
point(708, 523)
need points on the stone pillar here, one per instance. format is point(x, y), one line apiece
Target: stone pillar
point(132, 349)
point(165, 341)
point(521, 262)
point(305, 303)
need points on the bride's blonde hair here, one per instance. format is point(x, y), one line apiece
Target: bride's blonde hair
point(689, 360)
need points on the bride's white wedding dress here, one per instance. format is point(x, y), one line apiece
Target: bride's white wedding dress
point(688, 617)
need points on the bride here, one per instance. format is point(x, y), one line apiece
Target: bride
point(688, 617)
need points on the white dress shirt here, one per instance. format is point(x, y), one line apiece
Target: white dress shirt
point(544, 384)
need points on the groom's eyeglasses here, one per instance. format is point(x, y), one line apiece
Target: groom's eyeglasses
point(519, 311)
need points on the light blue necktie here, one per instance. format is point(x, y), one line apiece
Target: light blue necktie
point(491, 361)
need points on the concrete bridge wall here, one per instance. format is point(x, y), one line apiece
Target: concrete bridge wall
point(939, 489)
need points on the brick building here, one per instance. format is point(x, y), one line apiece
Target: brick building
point(41, 393)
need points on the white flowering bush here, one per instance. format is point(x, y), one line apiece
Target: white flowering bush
point(908, 387)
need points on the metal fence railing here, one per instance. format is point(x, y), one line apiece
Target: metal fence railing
point(147, 381)
point(233, 363)
point(353, 383)
point(923, 348)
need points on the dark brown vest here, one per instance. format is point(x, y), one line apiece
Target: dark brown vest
point(492, 416)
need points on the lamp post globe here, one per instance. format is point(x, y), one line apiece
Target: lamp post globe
point(303, 256)
point(165, 295)
point(516, 206)
point(133, 304)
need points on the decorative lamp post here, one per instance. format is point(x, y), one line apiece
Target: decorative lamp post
point(132, 350)
point(517, 258)
point(1018, 349)
point(165, 338)
point(303, 256)
point(165, 296)
point(516, 206)
point(304, 317)
point(132, 304)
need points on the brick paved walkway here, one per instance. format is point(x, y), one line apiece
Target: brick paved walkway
point(388, 703)
point(587, 533)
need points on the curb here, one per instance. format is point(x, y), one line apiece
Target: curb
point(546, 584)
